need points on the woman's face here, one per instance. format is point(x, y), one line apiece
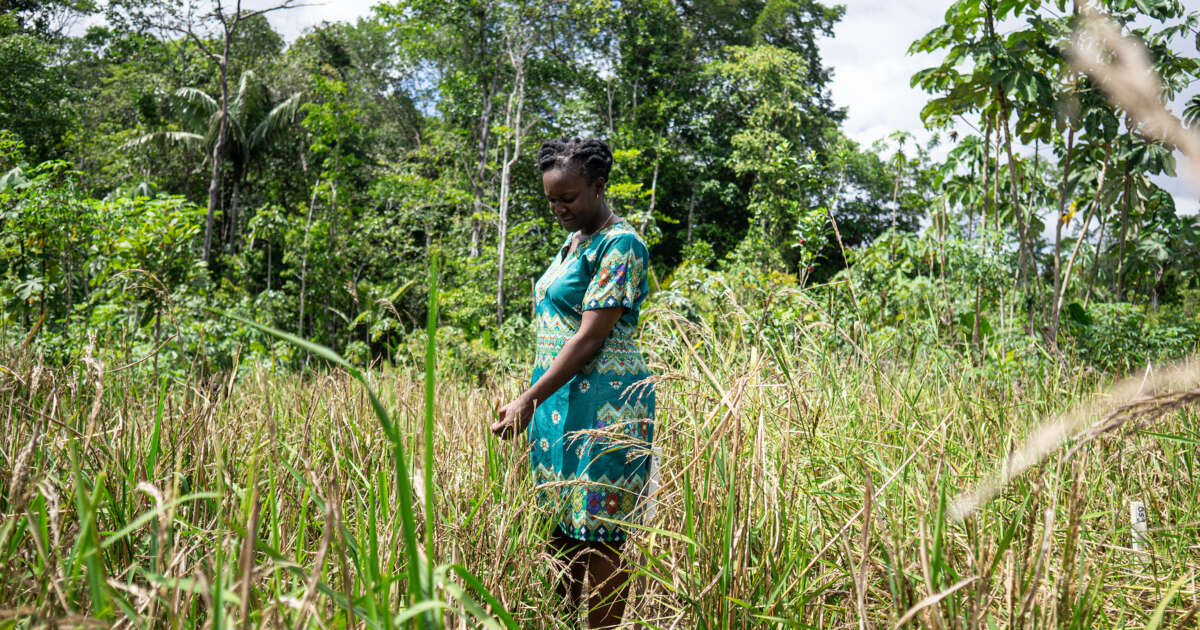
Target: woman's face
point(577, 204)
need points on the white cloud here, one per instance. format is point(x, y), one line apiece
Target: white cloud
point(872, 67)
point(291, 22)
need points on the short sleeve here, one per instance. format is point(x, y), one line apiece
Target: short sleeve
point(620, 275)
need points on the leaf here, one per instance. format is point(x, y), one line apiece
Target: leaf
point(145, 518)
point(1078, 314)
point(967, 320)
point(275, 122)
point(15, 179)
point(457, 593)
point(195, 103)
point(411, 612)
point(166, 138)
point(1191, 111)
point(1156, 618)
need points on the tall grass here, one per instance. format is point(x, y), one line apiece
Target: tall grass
point(802, 486)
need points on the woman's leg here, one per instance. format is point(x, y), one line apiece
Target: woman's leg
point(603, 567)
point(566, 550)
point(608, 583)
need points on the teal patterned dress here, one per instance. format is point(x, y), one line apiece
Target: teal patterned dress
point(590, 440)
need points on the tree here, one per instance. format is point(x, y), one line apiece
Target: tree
point(254, 119)
point(332, 120)
point(31, 91)
point(517, 43)
point(765, 85)
point(46, 19)
point(1021, 86)
point(664, 101)
point(203, 22)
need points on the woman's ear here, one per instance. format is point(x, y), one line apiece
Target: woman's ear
point(598, 186)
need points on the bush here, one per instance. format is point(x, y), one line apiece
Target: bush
point(1121, 336)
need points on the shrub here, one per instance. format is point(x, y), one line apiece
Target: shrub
point(1121, 336)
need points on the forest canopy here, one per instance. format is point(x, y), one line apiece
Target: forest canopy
point(176, 158)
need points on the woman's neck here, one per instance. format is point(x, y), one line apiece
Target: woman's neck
point(609, 218)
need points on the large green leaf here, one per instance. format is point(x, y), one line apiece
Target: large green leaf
point(1076, 313)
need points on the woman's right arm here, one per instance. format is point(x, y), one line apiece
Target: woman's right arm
point(581, 348)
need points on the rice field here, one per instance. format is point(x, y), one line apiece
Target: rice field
point(804, 484)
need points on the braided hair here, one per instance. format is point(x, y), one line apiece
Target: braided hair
point(587, 156)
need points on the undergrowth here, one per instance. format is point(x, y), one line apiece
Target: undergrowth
point(806, 479)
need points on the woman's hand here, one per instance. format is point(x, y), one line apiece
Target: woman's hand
point(513, 418)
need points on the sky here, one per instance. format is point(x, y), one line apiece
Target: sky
point(868, 54)
point(871, 70)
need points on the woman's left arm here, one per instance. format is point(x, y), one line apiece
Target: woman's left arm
point(581, 348)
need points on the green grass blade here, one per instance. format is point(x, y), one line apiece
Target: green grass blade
point(473, 582)
point(152, 456)
point(430, 395)
point(152, 514)
point(418, 586)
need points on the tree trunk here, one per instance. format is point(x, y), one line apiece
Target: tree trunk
point(1121, 240)
point(1028, 265)
point(989, 205)
point(995, 178)
point(304, 257)
point(487, 87)
point(608, 92)
point(691, 216)
point(943, 232)
point(24, 266)
point(1056, 301)
point(333, 247)
point(976, 340)
point(234, 206)
point(1060, 288)
point(653, 197)
point(214, 180)
point(1155, 287)
point(480, 171)
point(512, 121)
point(1087, 297)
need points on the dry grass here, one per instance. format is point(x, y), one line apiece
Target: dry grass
point(1141, 400)
point(801, 486)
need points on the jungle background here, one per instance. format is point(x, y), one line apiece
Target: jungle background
point(177, 168)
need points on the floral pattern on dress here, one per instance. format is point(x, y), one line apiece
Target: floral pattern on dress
point(617, 280)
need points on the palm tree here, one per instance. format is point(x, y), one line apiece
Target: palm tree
point(1191, 111)
point(256, 119)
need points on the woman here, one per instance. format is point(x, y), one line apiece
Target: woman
point(592, 421)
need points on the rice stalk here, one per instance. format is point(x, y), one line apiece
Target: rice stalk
point(1132, 399)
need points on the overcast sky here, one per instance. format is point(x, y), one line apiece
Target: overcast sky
point(868, 54)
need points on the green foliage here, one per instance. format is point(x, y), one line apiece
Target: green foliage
point(1121, 337)
point(1022, 88)
point(765, 83)
point(358, 148)
point(104, 267)
point(352, 150)
point(31, 92)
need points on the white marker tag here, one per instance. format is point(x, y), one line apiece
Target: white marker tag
point(1137, 519)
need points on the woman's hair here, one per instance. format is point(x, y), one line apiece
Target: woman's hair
point(587, 156)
